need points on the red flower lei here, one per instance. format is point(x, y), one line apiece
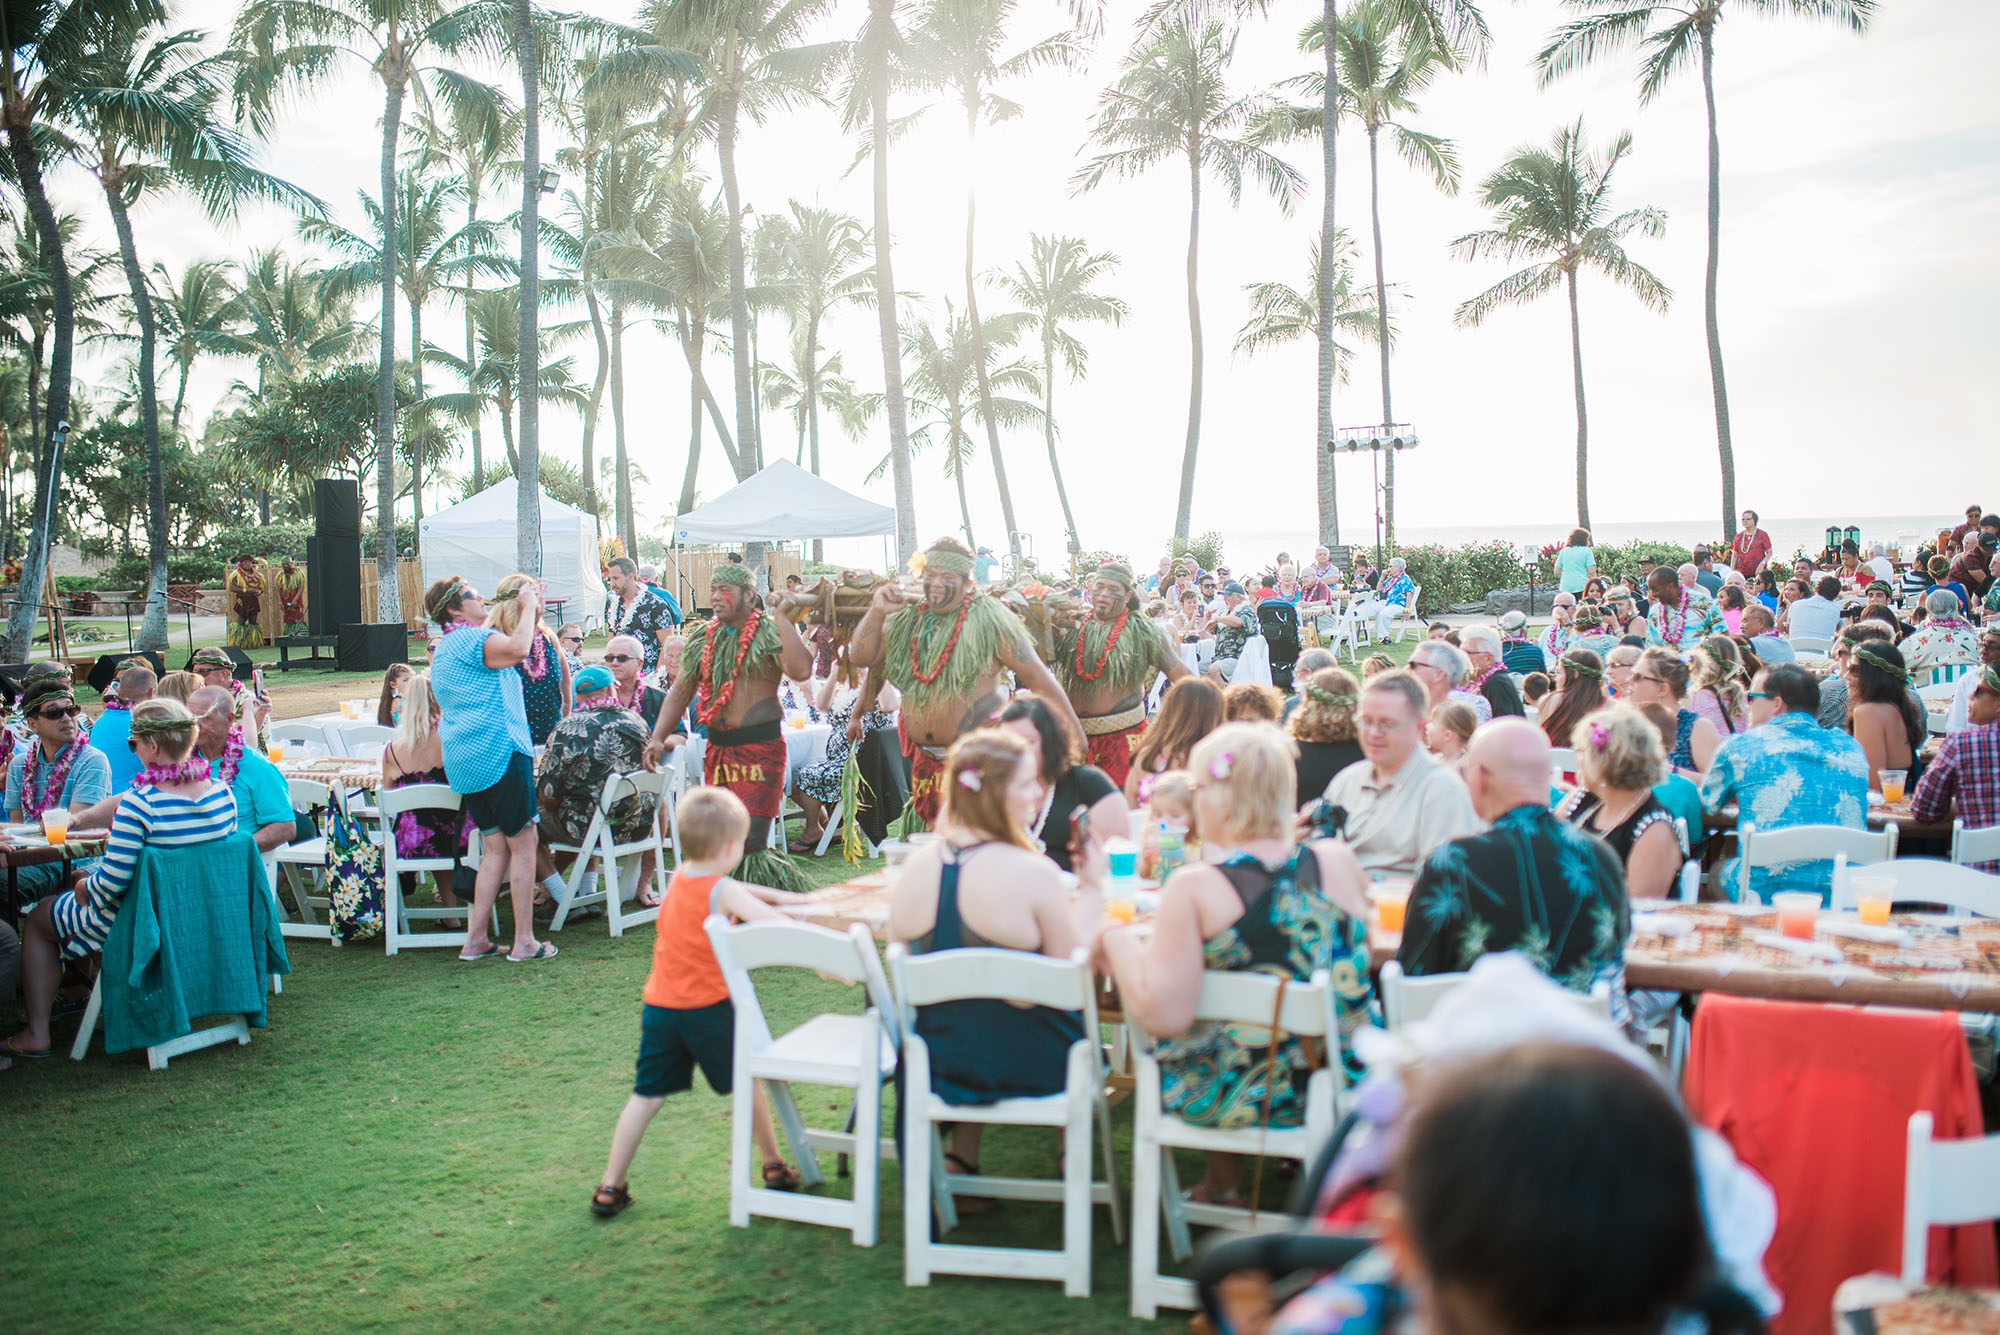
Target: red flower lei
point(709, 703)
point(192, 770)
point(944, 655)
point(1110, 643)
point(39, 797)
point(115, 702)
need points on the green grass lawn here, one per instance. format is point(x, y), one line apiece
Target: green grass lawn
point(411, 1145)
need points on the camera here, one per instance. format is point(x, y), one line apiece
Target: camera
point(1326, 820)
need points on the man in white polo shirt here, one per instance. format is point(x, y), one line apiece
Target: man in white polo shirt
point(1401, 803)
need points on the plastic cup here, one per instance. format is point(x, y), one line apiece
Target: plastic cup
point(1389, 907)
point(1798, 913)
point(1892, 784)
point(1124, 857)
point(1874, 911)
point(55, 824)
point(276, 752)
point(1120, 910)
point(1873, 896)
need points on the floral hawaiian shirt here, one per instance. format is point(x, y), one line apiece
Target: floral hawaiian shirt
point(1789, 771)
point(1685, 628)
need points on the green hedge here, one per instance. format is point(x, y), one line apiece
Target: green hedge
point(1467, 574)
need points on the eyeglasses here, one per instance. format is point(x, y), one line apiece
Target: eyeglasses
point(619, 658)
point(1759, 695)
point(59, 712)
point(1640, 676)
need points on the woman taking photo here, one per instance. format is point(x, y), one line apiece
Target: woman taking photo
point(1069, 786)
point(1579, 692)
point(1625, 616)
point(1661, 678)
point(1767, 588)
point(1322, 727)
point(1717, 678)
point(1618, 760)
point(1191, 711)
point(984, 883)
point(1890, 726)
point(1262, 902)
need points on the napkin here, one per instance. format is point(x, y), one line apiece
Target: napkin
point(1813, 950)
point(1861, 931)
point(1662, 924)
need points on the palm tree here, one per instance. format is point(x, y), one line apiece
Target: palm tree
point(41, 45)
point(1172, 102)
point(432, 259)
point(751, 59)
point(817, 383)
point(285, 48)
point(143, 115)
point(1553, 204)
point(290, 321)
point(496, 377)
point(1055, 288)
point(1281, 313)
point(1672, 34)
point(944, 384)
point(1384, 60)
point(28, 307)
point(194, 311)
point(959, 44)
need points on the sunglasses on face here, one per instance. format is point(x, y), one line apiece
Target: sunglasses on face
point(619, 658)
point(59, 712)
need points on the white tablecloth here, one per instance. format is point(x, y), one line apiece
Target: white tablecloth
point(806, 747)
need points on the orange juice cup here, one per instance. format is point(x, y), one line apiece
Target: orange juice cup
point(1389, 910)
point(1120, 910)
point(55, 825)
point(1874, 911)
point(1797, 914)
point(276, 752)
point(1873, 896)
point(1892, 785)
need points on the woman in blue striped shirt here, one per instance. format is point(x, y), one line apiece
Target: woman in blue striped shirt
point(171, 804)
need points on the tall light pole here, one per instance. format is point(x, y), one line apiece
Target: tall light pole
point(1375, 441)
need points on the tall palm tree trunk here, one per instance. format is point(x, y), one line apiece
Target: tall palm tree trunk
point(628, 531)
point(1184, 512)
point(1381, 329)
point(881, 23)
point(812, 411)
point(1049, 433)
point(739, 302)
point(153, 627)
point(692, 341)
point(597, 332)
point(388, 601)
point(1723, 447)
point(528, 496)
point(417, 377)
point(48, 454)
point(1329, 508)
point(979, 357)
point(181, 393)
point(958, 471)
point(1582, 421)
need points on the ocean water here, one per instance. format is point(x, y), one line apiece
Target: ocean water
point(1258, 546)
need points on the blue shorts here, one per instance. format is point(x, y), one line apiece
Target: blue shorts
point(508, 807)
point(673, 1042)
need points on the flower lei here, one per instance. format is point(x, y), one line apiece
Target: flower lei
point(638, 693)
point(1670, 631)
point(710, 702)
point(115, 702)
point(1478, 683)
point(951, 643)
point(191, 770)
point(1110, 643)
point(232, 754)
point(38, 795)
point(537, 665)
point(1947, 623)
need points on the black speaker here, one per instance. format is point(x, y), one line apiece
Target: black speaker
point(371, 646)
point(241, 661)
point(337, 507)
point(106, 667)
point(315, 581)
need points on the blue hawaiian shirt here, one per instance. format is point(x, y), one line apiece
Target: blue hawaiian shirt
point(1399, 590)
point(1790, 771)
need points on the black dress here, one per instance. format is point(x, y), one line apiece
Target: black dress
point(1079, 790)
point(1577, 809)
point(1318, 762)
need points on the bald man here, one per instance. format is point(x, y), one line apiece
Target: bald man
point(1529, 882)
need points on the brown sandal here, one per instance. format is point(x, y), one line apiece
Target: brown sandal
point(778, 1176)
point(608, 1201)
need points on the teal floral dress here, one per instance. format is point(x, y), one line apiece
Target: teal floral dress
point(1217, 1074)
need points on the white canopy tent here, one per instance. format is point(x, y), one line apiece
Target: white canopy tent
point(477, 538)
point(783, 503)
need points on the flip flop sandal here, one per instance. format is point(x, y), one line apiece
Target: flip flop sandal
point(968, 1205)
point(608, 1201)
point(546, 951)
point(485, 954)
point(778, 1176)
point(13, 1049)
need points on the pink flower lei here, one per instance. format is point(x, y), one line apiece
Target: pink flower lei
point(38, 796)
point(638, 693)
point(232, 754)
point(191, 770)
point(537, 665)
point(115, 702)
point(1670, 631)
point(1478, 683)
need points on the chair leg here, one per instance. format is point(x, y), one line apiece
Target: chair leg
point(742, 1109)
point(833, 819)
point(84, 1030)
point(1146, 1157)
point(786, 1110)
point(923, 1159)
point(867, 1157)
point(1171, 1206)
point(1077, 1174)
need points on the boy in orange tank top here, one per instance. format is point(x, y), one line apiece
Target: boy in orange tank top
point(687, 1020)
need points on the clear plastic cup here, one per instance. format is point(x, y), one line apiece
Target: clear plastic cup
point(55, 824)
point(1873, 897)
point(1892, 785)
point(1798, 913)
point(276, 752)
point(1123, 855)
point(1389, 908)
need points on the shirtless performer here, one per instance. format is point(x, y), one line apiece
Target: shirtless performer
point(1107, 664)
point(730, 670)
point(948, 656)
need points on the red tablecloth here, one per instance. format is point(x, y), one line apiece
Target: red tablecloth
point(1817, 1099)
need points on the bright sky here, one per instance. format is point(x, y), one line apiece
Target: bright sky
point(1859, 282)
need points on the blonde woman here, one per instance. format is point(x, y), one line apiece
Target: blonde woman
point(416, 755)
point(1259, 901)
point(177, 686)
point(1619, 759)
point(545, 680)
point(172, 804)
point(1716, 674)
point(986, 883)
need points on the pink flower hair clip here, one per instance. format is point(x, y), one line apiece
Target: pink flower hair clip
point(1218, 768)
point(968, 779)
point(1600, 735)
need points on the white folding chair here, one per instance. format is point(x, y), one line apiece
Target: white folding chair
point(236, 1030)
point(1406, 618)
point(1920, 881)
point(1974, 844)
point(1346, 632)
point(620, 865)
point(1815, 645)
point(1690, 882)
point(397, 915)
point(365, 739)
point(1806, 843)
point(856, 1052)
point(1406, 1000)
point(297, 865)
point(684, 772)
point(1945, 1182)
point(305, 732)
point(1014, 976)
point(1246, 1001)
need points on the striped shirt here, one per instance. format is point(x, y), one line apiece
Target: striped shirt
point(146, 818)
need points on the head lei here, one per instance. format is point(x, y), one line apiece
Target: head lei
point(1871, 653)
point(1118, 572)
point(947, 556)
point(212, 658)
point(740, 576)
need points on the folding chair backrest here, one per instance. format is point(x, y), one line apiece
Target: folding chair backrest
point(1920, 881)
point(1004, 975)
point(1406, 1000)
point(1690, 881)
point(1249, 998)
point(366, 738)
point(393, 802)
point(1945, 1182)
point(309, 796)
point(849, 956)
point(1978, 844)
point(1938, 690)
point(1811, 843)
point(303, 732)
point(1810, 644)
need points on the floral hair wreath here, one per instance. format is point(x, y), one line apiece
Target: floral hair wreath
point(1321, 696)
point(968, 779)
